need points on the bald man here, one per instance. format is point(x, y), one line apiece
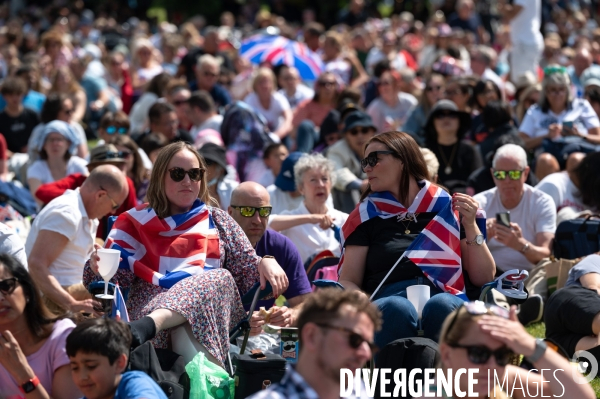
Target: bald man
point(248, 201)
point(62, 238)
point(582, 61)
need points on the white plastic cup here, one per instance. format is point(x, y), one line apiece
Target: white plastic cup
point(418, 295)
point(108, 263)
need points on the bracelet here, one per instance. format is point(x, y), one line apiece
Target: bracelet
point(540, 349)
point(525, 248)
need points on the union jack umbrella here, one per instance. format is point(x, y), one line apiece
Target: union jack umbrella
point(278, 50)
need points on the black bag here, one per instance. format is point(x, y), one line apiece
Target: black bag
point(407, 353)
point(577, 237)
point(165, 367)
point(255, 367)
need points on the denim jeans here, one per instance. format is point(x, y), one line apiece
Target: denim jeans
point(306, 136)
point(400, 319)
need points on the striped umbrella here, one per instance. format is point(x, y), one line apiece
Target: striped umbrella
point(278, 50)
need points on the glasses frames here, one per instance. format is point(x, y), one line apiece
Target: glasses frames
point(480, 354)
point(7, 286)
point(355, 340)
point(113, 129)
point(372, 159)
point(250, 211)
point(115, 205)
point(178, 174)
point(512, 174)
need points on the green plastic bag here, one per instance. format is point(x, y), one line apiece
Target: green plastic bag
point(207, 380)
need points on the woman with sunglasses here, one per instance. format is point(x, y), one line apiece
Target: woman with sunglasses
point(557, 122)
point(172, 282)
point(444, 132)
point(487, 337)
point(56, 147)
point(33, 362)
point(65, 83)
point(528, 97)
point(433, 92)
point(398, 200)
point(312, 226)
point(135, 167)
point(112, 125)
point(391, 108)
point(57, 107)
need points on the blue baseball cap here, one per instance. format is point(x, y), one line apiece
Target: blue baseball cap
point(285, 179)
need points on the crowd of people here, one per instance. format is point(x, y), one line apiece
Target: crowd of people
point(211, 172)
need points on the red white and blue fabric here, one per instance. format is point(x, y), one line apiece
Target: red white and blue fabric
point(436, 251)
point(165, 251)
point(279, 50)
point(119, 310)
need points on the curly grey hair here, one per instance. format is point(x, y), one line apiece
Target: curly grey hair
point(312, 161)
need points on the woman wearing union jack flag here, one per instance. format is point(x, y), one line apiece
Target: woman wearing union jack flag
point(183, 260)
point(405, 231)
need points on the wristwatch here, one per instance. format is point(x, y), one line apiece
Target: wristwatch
point(478, 240)
point(540, 349)
point(30, 385)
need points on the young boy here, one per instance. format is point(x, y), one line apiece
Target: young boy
point(98, 349)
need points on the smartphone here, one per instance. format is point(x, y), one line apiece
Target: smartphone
point(503, 219)
point(568, 124)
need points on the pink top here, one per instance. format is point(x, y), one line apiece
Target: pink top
point(312, 111)
point(49, 358)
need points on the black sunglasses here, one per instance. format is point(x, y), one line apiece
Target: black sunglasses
point(480, 354)
point(8, 286)
point(363, 130)
point(354, 340)
point(446, 114)
point(178, 174)
point(372, 159)
point(114, 203)
point(249, 211)
point(326, 83)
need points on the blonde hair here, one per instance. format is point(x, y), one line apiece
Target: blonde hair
point(156, 195)
point(433, 165)
point(264, 73)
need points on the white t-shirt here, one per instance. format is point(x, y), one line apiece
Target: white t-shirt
point(214, 123)
point(302, 93)
point(525, 27)
point(535, 213)
point(310, 238)
point(274, 114)
point(40, 170)
point(66, 215)
point(562, 190)
point(379, 111)
point(11, 243)
point(282, 200)
point(536, 123)
point(341, 69)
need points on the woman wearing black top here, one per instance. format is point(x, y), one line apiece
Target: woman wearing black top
point(397, 175)
point(444, 131)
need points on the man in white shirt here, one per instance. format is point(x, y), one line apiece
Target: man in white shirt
point(62, 237)
point(11, 243)
point(294, 91)
point(532, 213)
point(525, 18)
point(203, 113)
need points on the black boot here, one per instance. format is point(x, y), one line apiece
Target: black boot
point(142, 330)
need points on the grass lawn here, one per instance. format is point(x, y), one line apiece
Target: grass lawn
point(539, 330)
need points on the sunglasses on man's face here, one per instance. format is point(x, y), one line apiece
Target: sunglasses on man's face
point(113, 129)
point(480, 354)
point(8, 285)
point(250, 211)
point(178, 174)
point(512, 174)
point(372, 160)
point(361, 130)
point(354, 340)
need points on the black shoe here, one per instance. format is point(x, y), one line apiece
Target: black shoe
point(532, 310)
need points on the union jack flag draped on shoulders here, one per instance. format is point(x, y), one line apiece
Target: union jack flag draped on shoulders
point(436, 250)
point(165, 251)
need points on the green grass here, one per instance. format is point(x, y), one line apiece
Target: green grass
point(538, 330)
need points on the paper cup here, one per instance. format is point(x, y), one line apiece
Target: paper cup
point(418, 295)
point(109, 262)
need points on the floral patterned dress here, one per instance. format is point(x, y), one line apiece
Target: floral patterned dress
point(211, 301)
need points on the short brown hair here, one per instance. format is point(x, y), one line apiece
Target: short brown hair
point(156, 195)
point(325, 305)
point(13, 85)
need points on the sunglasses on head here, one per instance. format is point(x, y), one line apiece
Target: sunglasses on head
point(178, 174)
point(354, 340)
point(114, 129)
point(512, 174)
point(8, 285)
point(372, 160)
point(362, 130)
point(249, 211)
point(554, 69)
point(113, 155)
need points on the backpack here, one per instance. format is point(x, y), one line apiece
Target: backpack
point(576, 238)
point(407, 353)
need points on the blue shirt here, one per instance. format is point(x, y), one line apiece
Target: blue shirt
point(136, 384)
point(33, 100)
point(286, 254)
point(218, 93)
